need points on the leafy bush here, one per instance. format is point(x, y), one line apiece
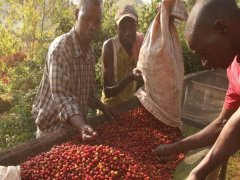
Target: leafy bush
point(146, 14)
point(5, 105)
point(192, 62)
point(17, 127)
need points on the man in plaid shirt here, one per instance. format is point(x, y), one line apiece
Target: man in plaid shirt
point(68, 84)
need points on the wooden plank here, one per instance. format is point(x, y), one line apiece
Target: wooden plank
point(18, 154)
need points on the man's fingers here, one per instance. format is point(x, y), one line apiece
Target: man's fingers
point(115, 113)
point(111, 114)
point(138, 77)
point(89, 137)
point(163, 155)
point(88, 129)
point(94, 133)
point(86, 137)
point(164, 159)
point(88, 133)
point(137, 72)
point(109, 117)
point(160, 150)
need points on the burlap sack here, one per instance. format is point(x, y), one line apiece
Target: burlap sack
point(10, 173)
point(161, 64)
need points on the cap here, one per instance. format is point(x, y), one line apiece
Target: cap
point(126, 11)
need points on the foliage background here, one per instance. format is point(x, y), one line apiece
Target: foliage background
point(27, 28)
point(26, 31)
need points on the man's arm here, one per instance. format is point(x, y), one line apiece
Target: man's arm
point(110, 87)
point(60, 86)
point(226, 144)
point(97, 104)
point(203, 138)
point(85, 130)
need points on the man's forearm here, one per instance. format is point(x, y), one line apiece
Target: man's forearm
point(226, 145)
point(207, 136)
point(111, 91)
point(96, 103)
point(77, 121)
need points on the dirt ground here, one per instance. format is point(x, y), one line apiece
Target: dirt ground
point(233, 169)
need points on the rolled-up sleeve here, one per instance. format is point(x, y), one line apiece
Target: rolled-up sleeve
point(61, 85)
point(232, 99)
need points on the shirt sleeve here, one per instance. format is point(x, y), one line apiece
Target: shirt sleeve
point(61, 85)
point(232, 99)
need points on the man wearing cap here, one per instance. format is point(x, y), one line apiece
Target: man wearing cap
point(120, 56)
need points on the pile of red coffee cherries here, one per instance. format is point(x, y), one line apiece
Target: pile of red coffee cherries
point(123, 150)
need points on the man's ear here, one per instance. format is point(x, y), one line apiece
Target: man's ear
point(221, 27)
point(76, 13)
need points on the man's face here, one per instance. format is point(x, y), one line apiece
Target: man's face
point(127, 31)
point(89, 21)
point(214, 48)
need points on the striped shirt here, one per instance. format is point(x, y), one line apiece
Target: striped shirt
point(67, 85)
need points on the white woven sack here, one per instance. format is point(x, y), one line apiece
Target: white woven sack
point(161, 65)
point(10, 173)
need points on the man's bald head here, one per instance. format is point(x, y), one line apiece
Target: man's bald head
point(83, 2)
point(212, 31)
point(205, 13)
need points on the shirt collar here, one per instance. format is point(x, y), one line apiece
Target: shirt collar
point(77, 48)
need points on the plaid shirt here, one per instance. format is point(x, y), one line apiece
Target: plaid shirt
point(67, 85)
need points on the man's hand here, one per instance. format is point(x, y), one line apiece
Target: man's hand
point(137, 76)
point(161, 150)
point(88, 134)
point(164, 154)
point(84, 129)
point(110, 112)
